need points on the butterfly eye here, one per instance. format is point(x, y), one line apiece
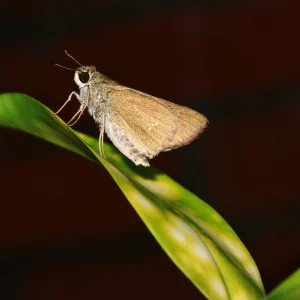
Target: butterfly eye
point(84, 77)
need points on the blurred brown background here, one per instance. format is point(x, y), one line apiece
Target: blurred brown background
point(66, 231)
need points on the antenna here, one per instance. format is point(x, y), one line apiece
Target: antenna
point(54, 63)
point(73, 58)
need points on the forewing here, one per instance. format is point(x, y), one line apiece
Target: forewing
point(152, 123)
point(147, 123)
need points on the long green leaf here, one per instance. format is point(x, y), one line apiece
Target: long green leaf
point(287, 290)
point(195, 236)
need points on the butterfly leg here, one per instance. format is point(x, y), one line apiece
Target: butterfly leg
point(81, 110)
point(101, 138)
point(79, 114)
point(69, 99)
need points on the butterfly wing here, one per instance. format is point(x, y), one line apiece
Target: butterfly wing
point(189, 125)
point(150, 124)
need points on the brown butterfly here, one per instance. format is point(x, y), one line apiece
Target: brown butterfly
point(139, 125)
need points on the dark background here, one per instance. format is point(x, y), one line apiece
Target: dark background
point(66, 231)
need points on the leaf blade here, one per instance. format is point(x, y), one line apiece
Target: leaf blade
point(288, 289)
point(195, 236)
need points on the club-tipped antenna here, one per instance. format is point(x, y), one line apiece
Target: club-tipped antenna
point(54, 63)
point(73, 58)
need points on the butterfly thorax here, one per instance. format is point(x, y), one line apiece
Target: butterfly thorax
point(94, 87)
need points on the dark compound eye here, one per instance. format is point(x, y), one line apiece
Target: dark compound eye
point(84, 77)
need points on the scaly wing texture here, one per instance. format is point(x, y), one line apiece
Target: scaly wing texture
point(147, 123)
point(189, 125)
point(151, 124)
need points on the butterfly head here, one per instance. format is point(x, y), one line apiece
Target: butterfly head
point(83, 75)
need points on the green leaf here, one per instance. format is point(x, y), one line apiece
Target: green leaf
point(287, 290)
point(196, 237)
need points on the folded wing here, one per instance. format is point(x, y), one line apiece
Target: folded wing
point(152, 124)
